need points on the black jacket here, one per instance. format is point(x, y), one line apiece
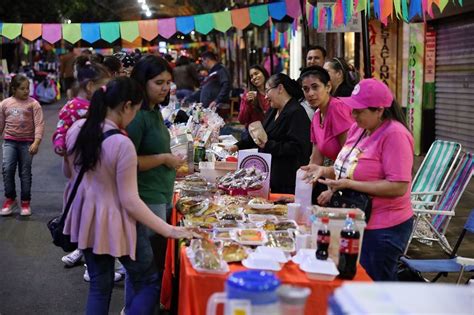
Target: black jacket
point(216, 86)
point(288, 143)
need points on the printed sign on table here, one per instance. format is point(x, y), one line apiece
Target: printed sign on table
point(261, 161)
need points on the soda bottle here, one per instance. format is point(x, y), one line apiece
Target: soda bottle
point(324, 236)
point(348, 248)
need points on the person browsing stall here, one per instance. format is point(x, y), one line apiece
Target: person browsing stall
point(377, 160)
point(106, 208)
point(287, 127)
point(254, 104)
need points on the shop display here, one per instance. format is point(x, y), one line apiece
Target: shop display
point(245, 178)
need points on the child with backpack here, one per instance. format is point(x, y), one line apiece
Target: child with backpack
point(21, 121)
point(90, 76)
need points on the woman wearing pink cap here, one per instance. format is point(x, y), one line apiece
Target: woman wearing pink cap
point(376, 159)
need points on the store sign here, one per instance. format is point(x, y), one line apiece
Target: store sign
point(429, 91)
point(353, 25)
point(261, 161)
point(383, 52)
point(415, 82)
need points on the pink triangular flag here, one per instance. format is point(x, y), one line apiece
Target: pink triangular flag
point(52, 32)
point(167, 27)
point(293, 8)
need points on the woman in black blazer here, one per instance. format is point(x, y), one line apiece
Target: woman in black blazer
point(288, 128)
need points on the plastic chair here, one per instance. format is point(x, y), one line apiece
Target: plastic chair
point(452, 264)
point(437, 214)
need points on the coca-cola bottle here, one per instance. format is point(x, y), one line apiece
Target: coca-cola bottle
point(324, 237)
point(348, 248)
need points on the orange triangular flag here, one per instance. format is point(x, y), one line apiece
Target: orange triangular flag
point(31, 31)
point(148, 29)
point(240, 18)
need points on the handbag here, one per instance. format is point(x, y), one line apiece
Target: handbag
point(56, 225)
point(349, 198)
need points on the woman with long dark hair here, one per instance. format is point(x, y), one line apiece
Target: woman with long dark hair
point(376, 160)
point(106, 208)
point(287, 126)
point(156, 164)
point(254, 104)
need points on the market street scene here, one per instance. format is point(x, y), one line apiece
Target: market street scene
point(237, 157)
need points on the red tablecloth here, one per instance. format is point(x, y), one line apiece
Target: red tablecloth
point(195, 288)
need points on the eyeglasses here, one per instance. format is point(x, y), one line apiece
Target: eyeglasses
point(268, 89)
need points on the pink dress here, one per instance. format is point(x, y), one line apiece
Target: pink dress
point(337, 121)
point(387, 154)
point(74, 110)
point(100, 215)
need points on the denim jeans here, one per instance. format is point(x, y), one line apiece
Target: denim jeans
point(382, 248)
point(150, 255)
point(16, 152)
point(142, 281)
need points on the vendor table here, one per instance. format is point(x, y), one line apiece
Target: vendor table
point(195, 288)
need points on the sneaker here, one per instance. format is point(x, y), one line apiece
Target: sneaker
point(8, 206)
point(87, 278)
point(119, 268)
point(25, 208)
point(72, 258)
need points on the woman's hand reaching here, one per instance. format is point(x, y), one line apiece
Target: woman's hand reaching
point(325, 197)
point(313, 172)
point(335, 185)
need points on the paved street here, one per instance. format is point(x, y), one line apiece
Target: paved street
point(33, 279)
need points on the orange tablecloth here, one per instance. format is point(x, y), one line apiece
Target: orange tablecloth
point(195, 288)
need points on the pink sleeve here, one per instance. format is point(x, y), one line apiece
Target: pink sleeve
point(397, 156)
point(38, 120)
point(2, 117)
point(126, 178)
point(342, 118)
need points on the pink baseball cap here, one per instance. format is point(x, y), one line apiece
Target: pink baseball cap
point(369, 93)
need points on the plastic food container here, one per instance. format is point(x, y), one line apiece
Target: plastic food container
point(324, 270)
point(261, 263)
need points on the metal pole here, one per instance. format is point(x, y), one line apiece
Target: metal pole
point(365, 45)
point(305, 25)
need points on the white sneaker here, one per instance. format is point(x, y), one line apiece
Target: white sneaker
point(119, 268)
point(72, 258)
point(87, 278)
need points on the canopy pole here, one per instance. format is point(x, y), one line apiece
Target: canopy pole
point(365, 45)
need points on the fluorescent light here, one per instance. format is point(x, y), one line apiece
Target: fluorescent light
point(148, 13)
point(141, 1)
point(145, 7)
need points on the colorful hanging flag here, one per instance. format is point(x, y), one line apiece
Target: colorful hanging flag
point(52, 32)
point(90, 32)
point(109, 31)
point(148, 29)
point(222, 21)
point(204, 23)
point(293, 8)
point(129, 30)
point(167, 27)
point(72, 32)
point(185, 24)
point(258, 14)
point(31, 31)
point(11, 30)
point(277, 10)
point(240, 18)
point(415, 9)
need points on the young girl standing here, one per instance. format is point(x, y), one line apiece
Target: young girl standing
point(21, 120)
point(90, 77)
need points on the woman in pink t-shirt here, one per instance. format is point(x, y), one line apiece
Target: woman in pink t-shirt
point(377, 159)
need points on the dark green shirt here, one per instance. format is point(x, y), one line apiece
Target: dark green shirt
point(150, 136)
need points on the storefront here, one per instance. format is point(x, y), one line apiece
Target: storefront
point(454, 80)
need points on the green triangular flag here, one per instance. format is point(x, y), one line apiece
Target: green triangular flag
point(72, 32)
point(397, 4)
point(258, 14)
point(405, 10)
point(129, 30)
point(11, 30)
point(204, 23)
point(442, 5)
point(361, 6)
point(109, 31)
point(222, 21)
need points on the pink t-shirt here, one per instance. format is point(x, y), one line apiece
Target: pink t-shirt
point(385, 154)
point(337, 121)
